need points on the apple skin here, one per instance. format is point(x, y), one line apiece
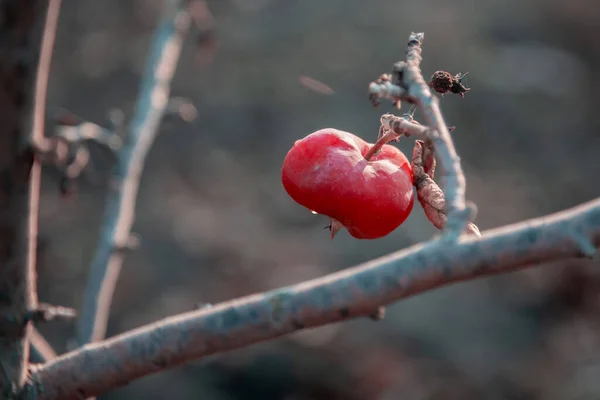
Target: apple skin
point(327, 173)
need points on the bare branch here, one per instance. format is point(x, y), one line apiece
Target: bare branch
point(21, 27)
point(67, 147)
point(355, 292)
point(120, 208)
point(48, 312)
point(407, 83)
point(88, 131)
point(37, 343)
point(41, 350)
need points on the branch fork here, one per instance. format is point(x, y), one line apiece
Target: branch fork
point(407, 83)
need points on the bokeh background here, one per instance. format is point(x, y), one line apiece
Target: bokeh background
point(215, 222)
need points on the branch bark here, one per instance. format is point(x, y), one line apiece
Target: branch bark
point(21, 26)
point(407, 83)
point(355, 292)
point(40, 348)
point(120, 208)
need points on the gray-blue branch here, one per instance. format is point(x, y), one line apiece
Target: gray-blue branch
point(409, 84)
point(351, 293)
point(120, 208)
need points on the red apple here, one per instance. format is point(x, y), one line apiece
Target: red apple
point(327, 173)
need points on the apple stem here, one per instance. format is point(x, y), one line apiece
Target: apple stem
point(383, 139)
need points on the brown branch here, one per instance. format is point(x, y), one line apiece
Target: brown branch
point(355, 292)
point(67, 147)
point(38, 344)
point(21, 28)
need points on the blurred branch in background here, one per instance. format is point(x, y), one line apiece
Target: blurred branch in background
point(41, 350)
point(21, 29)
point(115, 236)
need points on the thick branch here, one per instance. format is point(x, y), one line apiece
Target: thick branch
point(120, 208)
point(40, 348)
point(355, 292)
point(21, 27)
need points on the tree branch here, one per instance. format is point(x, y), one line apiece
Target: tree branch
point(120, 208)
point(41, 350)
point(355, 292)
point(38, 345)
point(407, 83)
point(21, 27)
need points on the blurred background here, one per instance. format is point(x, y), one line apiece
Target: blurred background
point(215, 222)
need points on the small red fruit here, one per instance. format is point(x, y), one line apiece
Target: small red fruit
point(327, 173)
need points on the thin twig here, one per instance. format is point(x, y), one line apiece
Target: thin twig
point(48, 312)
point(37, 342)
point(120, 208)
point(408, 84)
point(88, 131)
point(355, 292)
point(43, 71)
point(41, 350)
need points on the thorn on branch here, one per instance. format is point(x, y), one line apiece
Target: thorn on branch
point(443, 82)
